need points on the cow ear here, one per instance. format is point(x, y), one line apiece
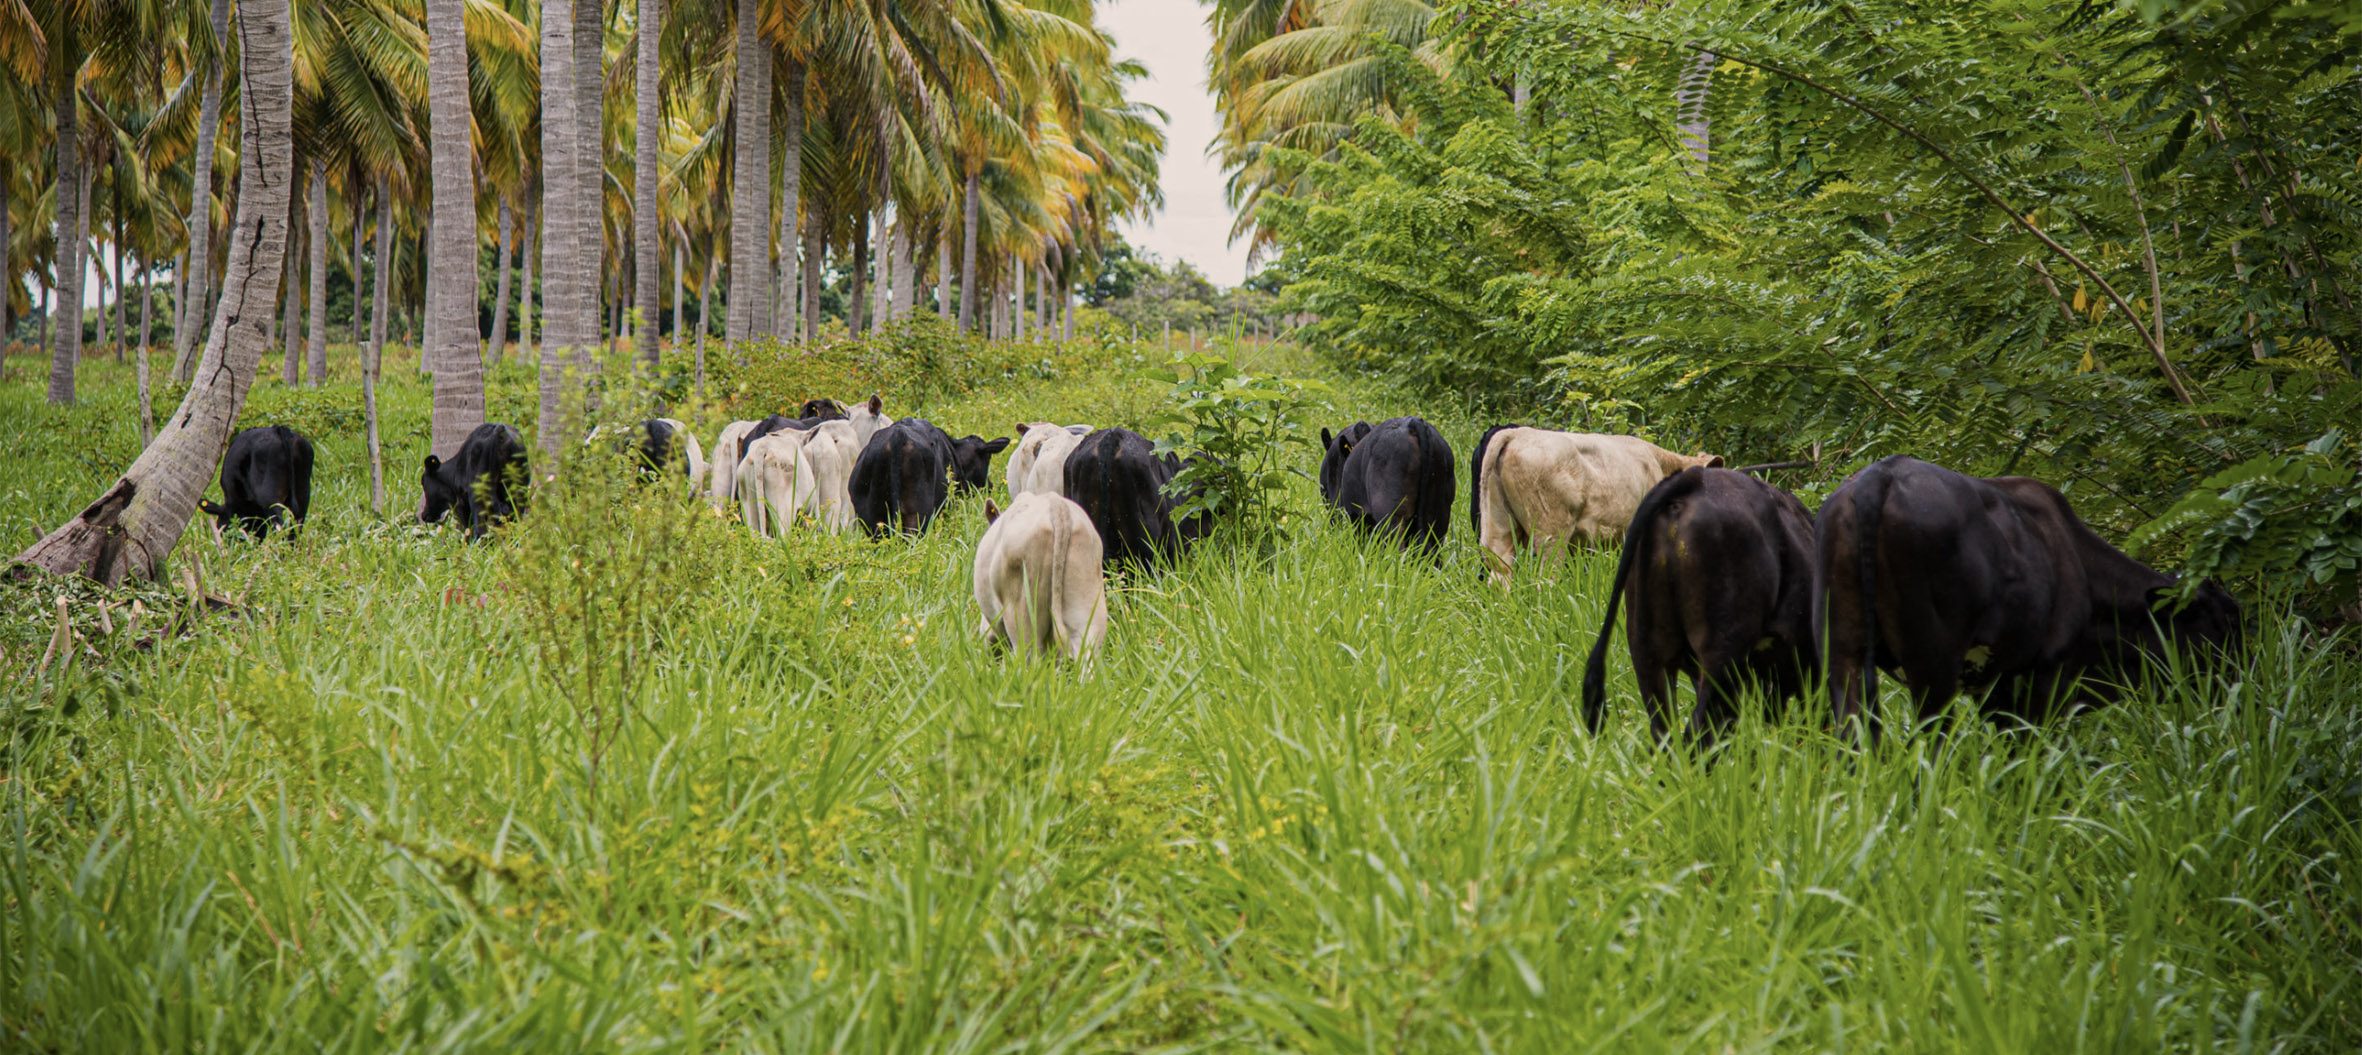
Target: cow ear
point(433, 463)
point(1712, 461)
point(996, 445)
point(876, 405)
point(1021, 428)
point(1325, 441)
point(991, 511)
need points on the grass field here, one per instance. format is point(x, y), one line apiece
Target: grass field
point(625, 778)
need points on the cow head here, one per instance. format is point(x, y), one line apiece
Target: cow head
point(1337, 448)
point(971, 460)
point(824, 408)
point(220, 516)
point(2209, 621)
point(441, 494)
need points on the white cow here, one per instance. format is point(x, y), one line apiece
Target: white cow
point(727, 451)
point(830, 448)
point(1545, 488)
point(1038, 465)
point(690, 449)
point(1038, 578)
point(775, 483)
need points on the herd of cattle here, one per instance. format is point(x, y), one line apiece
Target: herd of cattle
point(1958, 583)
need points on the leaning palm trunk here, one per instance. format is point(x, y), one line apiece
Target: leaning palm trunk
point(750, 182)
point(497, 345)
point(645, 222)
point(318, 329)
point(67, 352)
point(190, 309)
point(451, 257)
point(135, 524)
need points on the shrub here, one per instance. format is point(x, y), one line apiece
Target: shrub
point(1235, 428)
point(2293, 517)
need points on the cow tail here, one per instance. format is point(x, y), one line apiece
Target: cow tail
point(1869, 510)
point(1637, 539)
point(1476, 480)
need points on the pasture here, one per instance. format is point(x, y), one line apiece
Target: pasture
point(625, 777)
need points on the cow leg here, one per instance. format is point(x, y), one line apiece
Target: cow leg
point(1656, 693)
point(1720, 677)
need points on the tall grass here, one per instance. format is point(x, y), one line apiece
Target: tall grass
point(1329, 798)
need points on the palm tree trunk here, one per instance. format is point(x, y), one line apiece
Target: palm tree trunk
point(147, 303)
point(318, 243)
point(705, 297)
point(503, 229)
point(528, 244)
point(1041, 301)
point(943, 307)
point(968, 218)
point(750, 181)
point(6, 327)
point(147, 404)
point(64, 60)
point(352, 203)
point(590, 186)
point(646, 224)
point(134, 525)
point(680, 284)
point(560, 259)
point(373, 359)
point(291, 294)
point(814, 249)
point(860, 292)
point(190, 309)
point(791, 194)
point(1017, 301)
point(906, 271)
point(122, 331)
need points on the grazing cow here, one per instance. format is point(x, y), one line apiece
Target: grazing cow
point(1394, 478)
point(1119, 480)
point(1716, 581)
point(775, 481)
point(266, 478)
point(484, 482)
point(899, 478)
point(1038, 577)
point(662, 440)
point(1546, 488)
point(831, 450)
point(1038, 465)
point(729, 449)
point(1990, 585)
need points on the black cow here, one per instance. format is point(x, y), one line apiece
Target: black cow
point(1395, 478)
point(1990, 585)
point(485, 482)
point(971, 460)
point(822, 409)
point(899, 477)
point(1117, 477)
point(1716, 580)
point(266, 478)
point(660, 443)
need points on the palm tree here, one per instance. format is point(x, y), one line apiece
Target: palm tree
point(451, 259)
point(190, 307)
point(647, 138)
point(134, 525)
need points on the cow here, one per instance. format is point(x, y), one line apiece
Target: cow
point(662, 440)
point(729, 449)
point(484, 482)
point(1546, 489)
point(899, 479)
point(266, 478)
point(1038, 465)
point(1038, 578)
point(1993, 586)
point(775, 482)
point(831, 449)
point(1393, 478)
point(1118, 478)
point(1716, 582)
point(971, 461)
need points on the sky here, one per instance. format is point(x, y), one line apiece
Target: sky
point(1171, 38)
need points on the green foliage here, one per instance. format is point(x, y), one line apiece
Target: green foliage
point(1239, 433)
point(1832, 281)
point(916, 361)
point(2291, 519)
